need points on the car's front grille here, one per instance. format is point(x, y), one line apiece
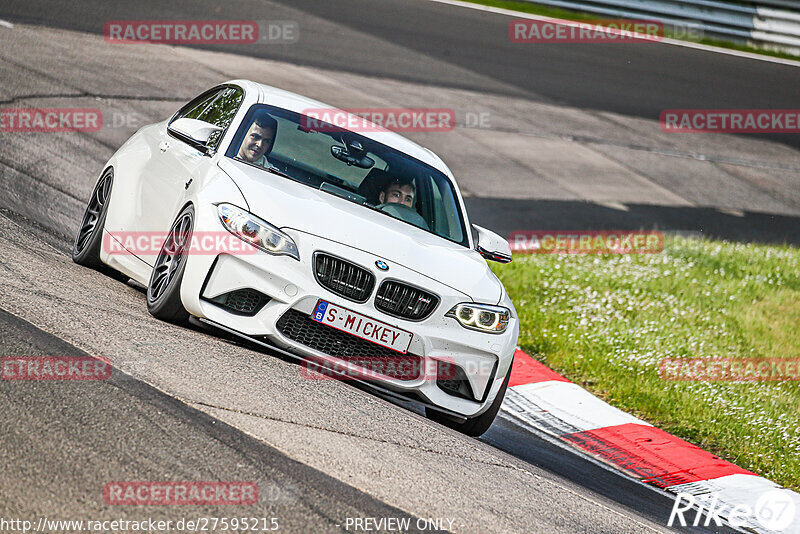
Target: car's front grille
point(343, 278)
point(300, 328)
point(406, 301)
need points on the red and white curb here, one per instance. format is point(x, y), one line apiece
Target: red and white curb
point(540, 398)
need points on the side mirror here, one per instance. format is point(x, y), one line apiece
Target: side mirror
point(491, 246)
point(195, 132)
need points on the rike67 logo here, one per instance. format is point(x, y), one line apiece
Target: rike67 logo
point(774, 510)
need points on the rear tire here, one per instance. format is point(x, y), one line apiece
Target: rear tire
point(164, 288)
point(474, 426)
point(89, 240)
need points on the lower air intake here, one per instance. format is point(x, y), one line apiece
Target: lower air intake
point(242, 301)
point(452, 380)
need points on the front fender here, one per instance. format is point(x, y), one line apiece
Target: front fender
point(218, 188)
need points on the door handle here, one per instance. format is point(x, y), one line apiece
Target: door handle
point(164, 146)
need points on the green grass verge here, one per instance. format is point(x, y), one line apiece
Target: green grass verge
point(607, 321)
point(535, 9)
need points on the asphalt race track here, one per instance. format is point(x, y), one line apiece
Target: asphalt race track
point(572, 143)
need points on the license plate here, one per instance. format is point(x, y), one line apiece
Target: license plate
point(362, 326)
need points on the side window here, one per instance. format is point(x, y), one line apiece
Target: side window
point(221, 111)
point(193, 109)
point(217, 107)
point(446, 210)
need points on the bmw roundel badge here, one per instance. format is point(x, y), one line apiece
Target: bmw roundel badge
point(382, 265)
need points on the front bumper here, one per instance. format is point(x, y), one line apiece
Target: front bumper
point(291, 285)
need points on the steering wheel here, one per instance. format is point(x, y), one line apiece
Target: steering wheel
point(404, 213)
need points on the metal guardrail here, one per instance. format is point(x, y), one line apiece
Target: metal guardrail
point(765, 23)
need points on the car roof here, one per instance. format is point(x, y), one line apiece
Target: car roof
point(273, 96)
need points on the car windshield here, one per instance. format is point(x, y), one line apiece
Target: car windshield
point(351, 166)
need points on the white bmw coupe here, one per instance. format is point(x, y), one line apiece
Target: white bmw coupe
point(356, 254)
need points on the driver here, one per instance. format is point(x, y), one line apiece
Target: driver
point(259, 140)
point(399, 191)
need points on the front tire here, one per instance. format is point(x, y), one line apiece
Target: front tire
point(164, 288)
point(89, 240)
point(474, 426)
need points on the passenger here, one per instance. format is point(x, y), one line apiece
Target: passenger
point(398, 191)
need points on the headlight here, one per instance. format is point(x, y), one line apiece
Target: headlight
point(258, 233)
point(492, 319)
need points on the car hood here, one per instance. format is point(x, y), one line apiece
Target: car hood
point(288, 204)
